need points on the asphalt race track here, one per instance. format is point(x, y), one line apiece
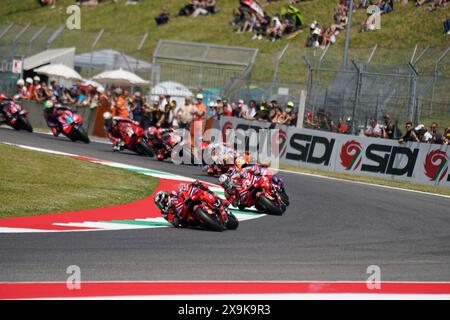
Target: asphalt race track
point(333, 230)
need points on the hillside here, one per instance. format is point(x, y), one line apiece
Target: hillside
point(125, 24)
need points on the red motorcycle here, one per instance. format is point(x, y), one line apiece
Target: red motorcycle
point(134, 138)
point(14, 115)
point(262, 194)
point(71, 124)
point(205, 210)
point(162, 141)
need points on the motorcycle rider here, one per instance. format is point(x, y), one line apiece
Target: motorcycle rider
point(174, 205)
point(50, 117)
point(112, 127)
point(235, 191)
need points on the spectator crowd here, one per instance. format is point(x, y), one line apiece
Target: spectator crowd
point(163, 111)
point(388, 129)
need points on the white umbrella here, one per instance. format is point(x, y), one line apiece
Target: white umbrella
point(93, 83)
point(176, 90)
point(120, 78)
point(59, 71)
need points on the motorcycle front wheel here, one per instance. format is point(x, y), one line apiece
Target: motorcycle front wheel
point(270, 206)
point(144, 149)
point(210, 222)
point(25, 124)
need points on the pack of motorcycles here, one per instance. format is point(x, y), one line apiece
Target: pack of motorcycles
point(265, 192)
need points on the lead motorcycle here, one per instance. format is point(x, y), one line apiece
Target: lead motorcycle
point(202, 211)
point(14, 115)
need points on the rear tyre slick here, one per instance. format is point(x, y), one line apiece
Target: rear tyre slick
point(209, 222)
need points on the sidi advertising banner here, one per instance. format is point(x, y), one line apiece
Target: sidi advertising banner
point(414, 162)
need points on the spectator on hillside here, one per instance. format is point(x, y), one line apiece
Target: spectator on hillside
point(436, 4)
point(163, 17)
point(188, 9)
point(314, 38)
point(261, 27)
point(51, 3)
point(204, 7)
point(410, 135)
point(447, 26)
point(276, 28)
point(373, 129)
point(369, 24)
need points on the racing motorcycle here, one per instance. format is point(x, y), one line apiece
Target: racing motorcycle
point(262, 194)
point(162, 141)
point(277, 182)
point(71, 124)
point(206, 211)
point(15, 116)
point(135, 139)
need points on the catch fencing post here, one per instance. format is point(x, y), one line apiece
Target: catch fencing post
point(16, 39)
point(413, 91)
point(436, 75)
point(139, 48)
point(356, 99)
point(94, 44)
point(53, 37)
point(347, 33)
point(37, 34)
point(301, 109)
point(6, 30)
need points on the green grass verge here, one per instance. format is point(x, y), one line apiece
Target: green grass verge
point(34, 183)
point(374, 180)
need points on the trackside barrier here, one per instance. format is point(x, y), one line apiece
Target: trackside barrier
point(413, 162)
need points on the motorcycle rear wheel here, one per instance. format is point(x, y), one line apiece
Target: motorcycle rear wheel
point(82, 135)
point(209, 222)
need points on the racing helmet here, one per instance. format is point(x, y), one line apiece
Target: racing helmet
point(239, 162)
point(225, 181)
point(162, 200)
point(48, 105)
